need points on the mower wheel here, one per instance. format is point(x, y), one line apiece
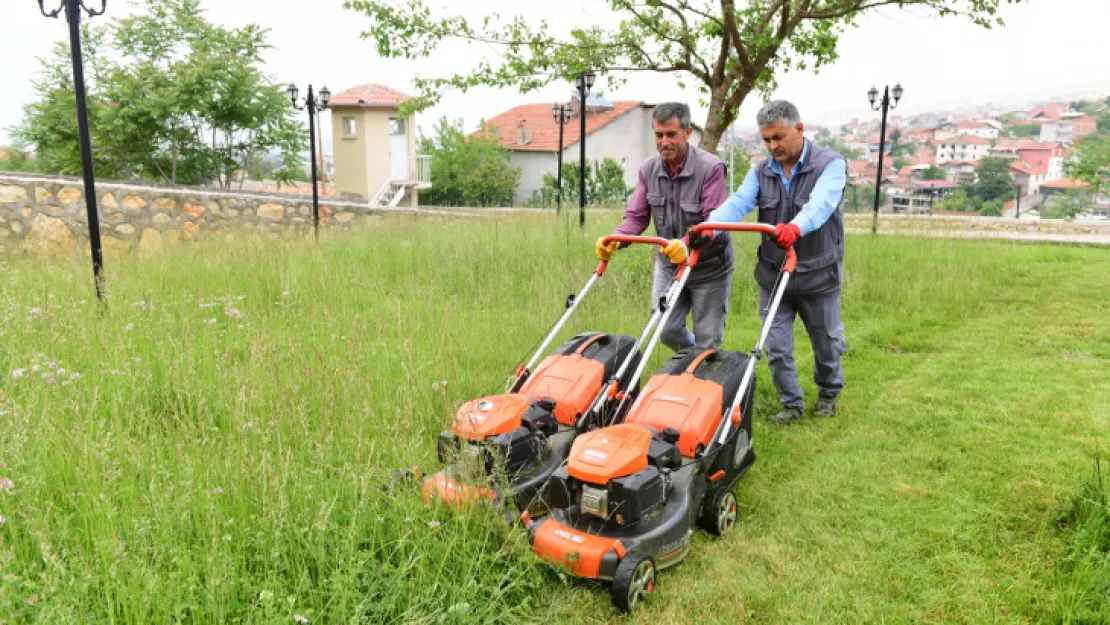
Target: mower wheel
point(719, 514)
point(635, 577)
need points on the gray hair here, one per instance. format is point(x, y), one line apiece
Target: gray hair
point(775, 110)
point(672, 110)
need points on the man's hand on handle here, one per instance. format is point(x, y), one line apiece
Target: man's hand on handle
point(605, 252)
point(786, 235)
point(677, 251)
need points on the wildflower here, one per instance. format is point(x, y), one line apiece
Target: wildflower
point(75, 376)
point(52, 364)
point(2, 519)
point(227, 537)
point(34, 312)
point(433, 523)
point(61, 372)
point(210, 322)
point(128, 327)
point(48, 377)
point(241, 326)
point(233, 313)
point(116, 372)
point(18, 373)
point(265, 595)
point(35, 368)
point(300, 619)
point(285, 293)
point(6, 483)
point(219, 490)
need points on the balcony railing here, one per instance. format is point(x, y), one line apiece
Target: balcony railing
point(420, 171)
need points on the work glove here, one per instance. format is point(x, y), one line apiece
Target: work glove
point(605, 252)
point(786, 235)
point(697, 240)
point(676, 250)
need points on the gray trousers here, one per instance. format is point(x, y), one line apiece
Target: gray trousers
point(706, 299)
point(821, 315)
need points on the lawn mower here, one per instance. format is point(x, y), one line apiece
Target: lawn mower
point(503, 448)
point(630, 495)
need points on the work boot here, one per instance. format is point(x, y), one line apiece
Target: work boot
point(788, 414)
point(826, 406)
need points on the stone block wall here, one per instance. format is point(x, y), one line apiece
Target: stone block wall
point(47, 215)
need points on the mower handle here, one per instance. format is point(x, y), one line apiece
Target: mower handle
point(626, 238)
point(709, 226)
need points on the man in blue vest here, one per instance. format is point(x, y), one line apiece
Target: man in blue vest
point(677, 189)
point(799, 190)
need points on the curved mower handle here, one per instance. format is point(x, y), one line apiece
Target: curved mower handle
point(709, 227)
point(625, 238)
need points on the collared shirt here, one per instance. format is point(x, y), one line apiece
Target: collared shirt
point(637, 216)
point(823, 200)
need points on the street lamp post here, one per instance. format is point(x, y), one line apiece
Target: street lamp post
point(73, 16)
point(313, 105)
point(562, 114)
point(884, 105)
point(585, 83)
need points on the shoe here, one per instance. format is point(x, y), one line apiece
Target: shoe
point(826, 406)
point(788, 414)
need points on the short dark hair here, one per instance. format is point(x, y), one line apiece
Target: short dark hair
point(672, 110)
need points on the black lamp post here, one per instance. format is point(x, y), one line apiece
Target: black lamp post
point(73, 16)
point(562, 114)
point(884, 105)
point(312, 104)
point(585, 83)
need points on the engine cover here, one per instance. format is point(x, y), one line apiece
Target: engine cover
point(609, 453)
point(633, 497)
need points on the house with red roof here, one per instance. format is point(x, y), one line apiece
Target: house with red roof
point(1067, 128)
point(619, 130)
point(961, 148)
point(375, 146)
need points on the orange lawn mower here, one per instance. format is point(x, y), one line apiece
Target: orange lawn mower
point(503, 448)
point(630, 495)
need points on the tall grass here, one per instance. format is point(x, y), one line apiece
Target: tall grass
point(219, 445)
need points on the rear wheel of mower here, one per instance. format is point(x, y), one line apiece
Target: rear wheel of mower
point(719, 514)
point(635, 578)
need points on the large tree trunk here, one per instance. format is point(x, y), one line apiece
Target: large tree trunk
point(715, 126)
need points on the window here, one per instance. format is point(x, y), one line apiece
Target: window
point(396, 126)
point(350, 128)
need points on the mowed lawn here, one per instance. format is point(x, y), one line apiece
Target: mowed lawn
point(214, 445)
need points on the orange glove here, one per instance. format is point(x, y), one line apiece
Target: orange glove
point(786, 235)
point(605, 252)
point(676, 251)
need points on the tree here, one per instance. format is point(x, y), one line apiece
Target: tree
point(994, 179)
point(172, 97)
point(468, 170)
point(1093, 163)
point(14, 159)
point(1020, 130)
point(955, 201)
point(861, 198)
point(729, 49)
point(836, 145)
point(604, 185)
point(992, 208)
point(741, 163)
point(1103, 124)
point(932, 172)
point(899, 163)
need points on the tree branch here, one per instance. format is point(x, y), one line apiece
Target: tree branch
point(684, 42)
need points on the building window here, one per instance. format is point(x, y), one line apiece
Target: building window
point(396, 126)
point(350, 128)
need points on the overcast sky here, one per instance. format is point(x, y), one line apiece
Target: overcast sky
point(1048, 47)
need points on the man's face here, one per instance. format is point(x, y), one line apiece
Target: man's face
point(671, 140)
point(784, 142)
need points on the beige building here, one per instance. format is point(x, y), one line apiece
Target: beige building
point(375, 148)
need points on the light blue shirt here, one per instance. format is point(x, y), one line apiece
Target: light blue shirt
point(823, 200)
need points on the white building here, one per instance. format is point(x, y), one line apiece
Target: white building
point(961, 148)
point(621, 131)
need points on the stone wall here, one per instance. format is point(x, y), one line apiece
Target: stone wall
point(47, 215)
point(1062, 230)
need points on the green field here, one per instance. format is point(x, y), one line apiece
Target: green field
point(218, 447)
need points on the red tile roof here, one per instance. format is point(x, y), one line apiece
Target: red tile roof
point(370, 95)
point(923, 157)
point(1026, 168)
point(966, 140)
point(1065, 183)
point(545, 130)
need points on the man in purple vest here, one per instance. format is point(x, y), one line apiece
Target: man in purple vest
point(677, 190)
point(800, 191)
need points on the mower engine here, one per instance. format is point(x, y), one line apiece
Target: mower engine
point(506, 432)
point(619, 473)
